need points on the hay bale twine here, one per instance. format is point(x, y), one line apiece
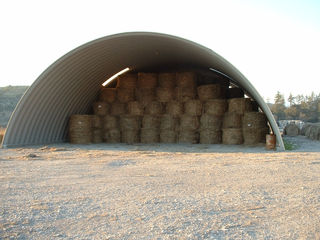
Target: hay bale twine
point(210, 136)
point(97, 136)
point(167, 80)
point(174, 108)
point(291, 129)
point(169, 122)
point(168, 136)
point(108, 95)
point(118, 108)
point(212, 122)
point(130, 136)
point(216, 107)
point(125, 95)
point(146, 95)
point(188, 122)
point(110, 122)
point(211, 91)
point(101, 108)
point(135, 108)
point(186, 79)
point(240, 105)
point(193, 107)
point(97, 121)
point(188, 136)
point(150, 121)
point(130, 122)
point(147, 80)
point(128, 80)
point(154, 108)
point(235, 92)
point(254, 120)
point(232, 120)
point(112, 136)
point(165, 94)
point(150, 135)
point(232, 136)
point(255, 135)
point(183, 94)
point(80, 129)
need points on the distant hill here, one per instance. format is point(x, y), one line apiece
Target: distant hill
point(9, 97)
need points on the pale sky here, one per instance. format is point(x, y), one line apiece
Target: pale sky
point(275, 44)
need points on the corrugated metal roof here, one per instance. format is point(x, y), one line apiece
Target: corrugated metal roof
point(70, 84)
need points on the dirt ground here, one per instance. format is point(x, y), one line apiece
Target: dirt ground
point(160, 192)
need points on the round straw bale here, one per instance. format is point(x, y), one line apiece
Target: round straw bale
point(186, 79)
point(193, 107)
point(235, 92)
point(239, 105)
point(146, 95)
point(108, 95)
point(110, 122)
point(291, 129)
point(255, 135)
point(147, 80)
point(130, 136)
point(128, 80)
point(211, 91)
point(80, 129)
point(97, 136)
point(118, 108)
point(167, 80)
point(169, 122)
point(168, 136)
point(150, 121)
point(97, 121)
point(150, 135)
point(232, 120)
point(188, 136)
point(174, 108)
point(188, 122)
point(165, 94)
point(216, 107)
point(125, 95)
point(254, 120)
point(135, 108)
point(232, 136)
point(112, 136)
point(213, 122)
point(209, 136)
point(130, 122)
point(154, 108)
point(183, 94)
point(101, 108)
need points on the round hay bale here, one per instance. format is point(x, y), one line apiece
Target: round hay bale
point(216, 107)
point(97, 121)
point(80, 129)
point(150, 135)
point(135, 108)
point(130, 136)
point(188, 136)
point(101, 108)
point(174, 108)
point(188, 122)
point(108, 95)
point(169, 122)
point(291, 129)
point(112, 136)
point(255, 135)
point(125, 95)
point(193, 107)
point(212, 122)
point(118, 108)
point(168, 136)
point(165, 94)
point(235, 92)
point(146, 95)
point(254, 120)
point(232, 136)
point(147, 80)
point(110, 122)
point(154, 108)
point(304, 129)
point(186, 79)
point(209, 136)
point(97, 136)
point(211, 91)
point(167, 80)
point(128, 80)
point(150, 121)
point(183, 94)
point(130, 122)
point(240, 105)
point(314, 132)
point(232, 120)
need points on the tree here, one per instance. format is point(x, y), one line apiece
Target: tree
point(279, 107)
point(291, 99)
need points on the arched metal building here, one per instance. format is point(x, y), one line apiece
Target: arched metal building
point(73, 82)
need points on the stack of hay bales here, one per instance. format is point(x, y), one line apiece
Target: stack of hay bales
point(80, 129)
point(254, 127)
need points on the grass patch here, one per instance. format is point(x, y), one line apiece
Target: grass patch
point(289, 145)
